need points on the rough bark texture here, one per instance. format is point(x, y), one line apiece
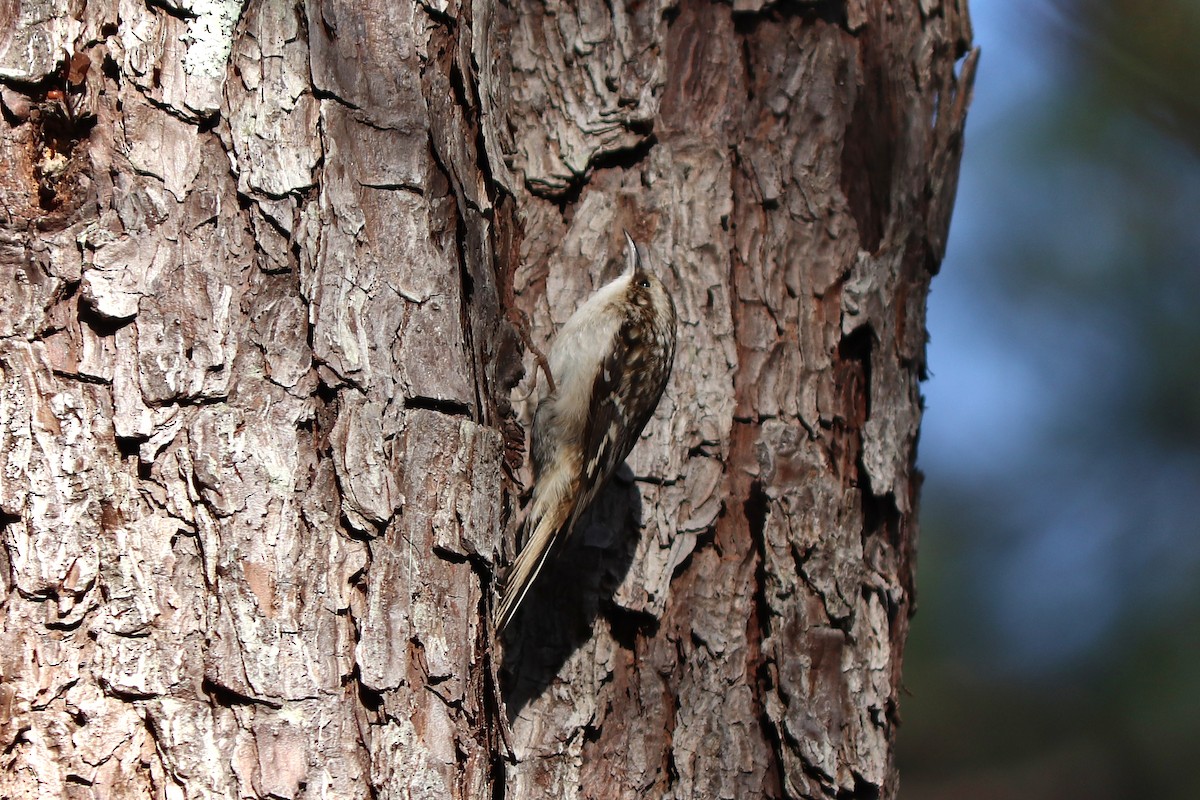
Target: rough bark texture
point(266, 273)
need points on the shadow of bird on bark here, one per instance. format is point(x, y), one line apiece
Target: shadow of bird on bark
point(575, 587)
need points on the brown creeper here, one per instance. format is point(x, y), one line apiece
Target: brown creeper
point(610, 363)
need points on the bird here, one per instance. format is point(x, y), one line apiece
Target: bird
point(609, 364)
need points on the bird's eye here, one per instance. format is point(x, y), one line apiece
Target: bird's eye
point(644, 283)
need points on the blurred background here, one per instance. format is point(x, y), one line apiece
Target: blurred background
point(1056, 649)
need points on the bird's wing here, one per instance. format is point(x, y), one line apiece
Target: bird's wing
point(626, 390)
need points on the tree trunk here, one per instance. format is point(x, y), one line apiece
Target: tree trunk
point(270, 274)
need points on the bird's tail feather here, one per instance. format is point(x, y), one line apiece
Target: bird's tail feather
point(529, 563)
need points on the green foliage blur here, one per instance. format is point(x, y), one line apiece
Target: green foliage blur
point(1056, 648)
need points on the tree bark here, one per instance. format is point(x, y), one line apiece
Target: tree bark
point(272, 274)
